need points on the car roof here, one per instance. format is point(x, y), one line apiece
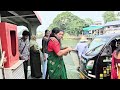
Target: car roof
point(109, 35)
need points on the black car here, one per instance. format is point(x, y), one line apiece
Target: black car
point(96, 60)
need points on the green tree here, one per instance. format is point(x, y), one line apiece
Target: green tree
point(109, 16)
point(69, 22)
point(118, 15)
point(89, 21)
point(39, 34)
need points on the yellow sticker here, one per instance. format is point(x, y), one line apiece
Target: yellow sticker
point(108, 72)
point(104, 71)
point(108, 69)
point(101, 75)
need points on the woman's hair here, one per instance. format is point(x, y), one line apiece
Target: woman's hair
point(25, 33)
point(46, 32)
point(55, 31)
point(117, 51)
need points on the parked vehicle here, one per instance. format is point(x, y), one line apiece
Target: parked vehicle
point(96, 60)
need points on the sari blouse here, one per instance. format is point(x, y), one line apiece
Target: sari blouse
point(54, 46)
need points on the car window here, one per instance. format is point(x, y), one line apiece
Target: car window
point(97, 43)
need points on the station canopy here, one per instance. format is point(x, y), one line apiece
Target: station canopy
point(20, 17)
point(92, 28)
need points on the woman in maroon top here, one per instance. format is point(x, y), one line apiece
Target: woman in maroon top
point(115, 64)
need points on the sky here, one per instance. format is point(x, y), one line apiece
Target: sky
point(48, 16)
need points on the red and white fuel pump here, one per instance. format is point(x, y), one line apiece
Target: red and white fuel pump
point(13, 67)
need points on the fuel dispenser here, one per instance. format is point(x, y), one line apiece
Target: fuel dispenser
point(9, 40)
point(13, 67)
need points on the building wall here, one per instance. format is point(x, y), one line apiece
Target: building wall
point(112, 29)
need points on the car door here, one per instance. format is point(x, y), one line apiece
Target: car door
point(103, 65)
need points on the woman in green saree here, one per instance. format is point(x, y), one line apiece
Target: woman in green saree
point(56, 66)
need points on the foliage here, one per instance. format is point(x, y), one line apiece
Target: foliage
point(109, 16)
point(89, 21)
point(39, 34)
point(69, 22)
point(66, 35)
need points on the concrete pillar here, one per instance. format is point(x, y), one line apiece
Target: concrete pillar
point(33, 28)
point(29, 28)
